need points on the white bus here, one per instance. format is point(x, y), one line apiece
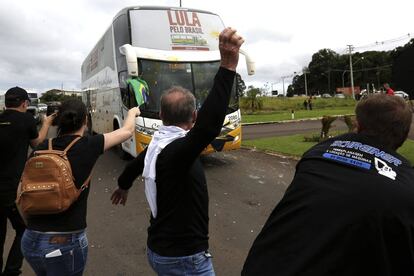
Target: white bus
point(33, 106)
point(2, 103)
point(164, 46)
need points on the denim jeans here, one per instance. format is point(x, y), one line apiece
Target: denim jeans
point(57, 254)
point(15, 258)
point(199, 264)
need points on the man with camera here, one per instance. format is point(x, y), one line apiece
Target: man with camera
point(18, 130)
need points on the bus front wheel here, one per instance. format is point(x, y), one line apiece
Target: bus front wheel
point(118, 148)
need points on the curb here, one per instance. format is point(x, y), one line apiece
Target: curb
point(273, 153)
point(290, 121)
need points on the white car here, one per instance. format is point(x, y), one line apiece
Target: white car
point(42, 107)
point(340, 96)
point(402, 94)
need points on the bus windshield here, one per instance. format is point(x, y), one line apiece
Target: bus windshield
point(197, 77)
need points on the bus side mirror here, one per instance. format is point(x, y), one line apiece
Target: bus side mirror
point(131, 59)
point(250, 64)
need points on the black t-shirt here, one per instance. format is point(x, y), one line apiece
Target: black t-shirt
point(82, 157)
point(16, 131)
point(181, 225)
point(348, 211)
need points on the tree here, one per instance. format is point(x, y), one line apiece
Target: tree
point(329, 70)
point(403, 68)
point(290, 91)
point(56, 95)
point(253, 95)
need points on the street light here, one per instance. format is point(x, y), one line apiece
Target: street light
point(283, 80)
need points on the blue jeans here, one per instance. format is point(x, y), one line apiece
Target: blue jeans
point(199, 264)
point(57, 254)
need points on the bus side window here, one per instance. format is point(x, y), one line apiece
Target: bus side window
point(124, 88)
point(127, 93)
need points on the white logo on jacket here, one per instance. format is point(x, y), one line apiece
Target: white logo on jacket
point(384, 169)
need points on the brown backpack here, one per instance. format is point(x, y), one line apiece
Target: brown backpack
point(47, 185)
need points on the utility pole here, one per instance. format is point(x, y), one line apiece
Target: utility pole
point(305, 71)
point(329, 81)
point(350, 48)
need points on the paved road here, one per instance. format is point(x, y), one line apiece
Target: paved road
point(244, 187)
point(282, 129)
point(290, 128)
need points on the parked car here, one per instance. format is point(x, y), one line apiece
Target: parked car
point(326, 95)
point(42, 107)
point(340, 96)
point(402, 94)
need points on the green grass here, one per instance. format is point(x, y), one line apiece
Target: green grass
point(407, 150)
point(299, 114)
point(294, 145)
point(272, 104)
point(289, 145)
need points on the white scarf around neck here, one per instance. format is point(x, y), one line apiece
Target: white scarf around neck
point(160, 139)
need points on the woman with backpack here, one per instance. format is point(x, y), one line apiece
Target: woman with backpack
point(56, 243)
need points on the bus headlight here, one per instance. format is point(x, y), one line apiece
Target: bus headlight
point(145, 130)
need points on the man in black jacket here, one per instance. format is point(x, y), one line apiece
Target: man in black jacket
point(17, 131)
point(175, 183)
point(350, 207)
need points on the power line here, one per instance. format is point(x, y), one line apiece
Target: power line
point(377, 44)
point(385, 42)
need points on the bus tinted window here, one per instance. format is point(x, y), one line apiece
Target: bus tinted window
point(196, 77)
point(160, 76)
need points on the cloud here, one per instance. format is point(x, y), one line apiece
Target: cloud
point(37, 49)
point(258, 35)
point(44, 42)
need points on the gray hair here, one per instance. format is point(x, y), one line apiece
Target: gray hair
point(177, 106)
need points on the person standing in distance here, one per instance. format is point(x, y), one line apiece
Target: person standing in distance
point(388, 90)
point(175, 184)
point(18, 130)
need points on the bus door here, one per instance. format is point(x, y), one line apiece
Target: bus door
point(128, 102)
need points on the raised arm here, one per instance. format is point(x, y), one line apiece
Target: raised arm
point(47, 122)
point(211, 115)
point(122, 134)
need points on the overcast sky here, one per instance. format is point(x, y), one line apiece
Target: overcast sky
point(43, 42)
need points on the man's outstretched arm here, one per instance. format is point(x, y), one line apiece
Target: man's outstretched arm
point(211, 115)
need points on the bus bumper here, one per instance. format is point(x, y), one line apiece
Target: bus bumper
point(230, 141)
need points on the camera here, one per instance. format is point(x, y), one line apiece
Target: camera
point(52, 108)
